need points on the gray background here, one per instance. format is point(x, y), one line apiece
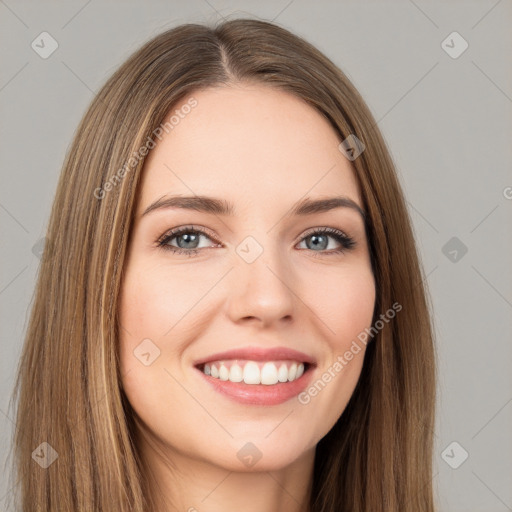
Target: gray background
point(447, 122)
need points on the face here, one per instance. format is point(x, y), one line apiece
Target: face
point(275, 287)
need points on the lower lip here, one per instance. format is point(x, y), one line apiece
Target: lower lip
point(260, 394)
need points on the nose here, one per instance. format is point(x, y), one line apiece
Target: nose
point(261, 291)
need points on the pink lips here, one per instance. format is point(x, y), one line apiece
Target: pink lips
point(259, 394)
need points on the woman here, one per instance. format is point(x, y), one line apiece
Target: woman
point(232, 315)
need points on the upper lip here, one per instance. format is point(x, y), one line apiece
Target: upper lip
point(259, 354)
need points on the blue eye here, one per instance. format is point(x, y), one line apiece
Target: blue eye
point(188, 237)
point(188, 240)
point(320, 238)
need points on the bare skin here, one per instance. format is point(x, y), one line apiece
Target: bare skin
point(262, 150)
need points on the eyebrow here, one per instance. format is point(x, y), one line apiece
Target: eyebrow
point(216, 206)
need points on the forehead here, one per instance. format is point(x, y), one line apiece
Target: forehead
point(248, 143)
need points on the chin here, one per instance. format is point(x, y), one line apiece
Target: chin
point(260, 454)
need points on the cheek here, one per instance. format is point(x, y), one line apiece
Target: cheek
point(155, 298)
point(145, 313)
point(151, 304)
point(344, 302)
point(158, 307)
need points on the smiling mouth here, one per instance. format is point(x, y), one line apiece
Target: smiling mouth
point(245, 371)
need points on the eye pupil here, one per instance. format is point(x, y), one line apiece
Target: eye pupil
point(316, 243)
point(189, 238)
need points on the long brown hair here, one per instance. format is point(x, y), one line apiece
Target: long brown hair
point(377, 457)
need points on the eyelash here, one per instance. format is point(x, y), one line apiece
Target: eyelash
point(346, 242)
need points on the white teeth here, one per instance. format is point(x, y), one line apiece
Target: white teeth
point(292, 371)
point(236, 374)
point(252, 372)
point(269, 374)
point(282, 374)
point(223, 373)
